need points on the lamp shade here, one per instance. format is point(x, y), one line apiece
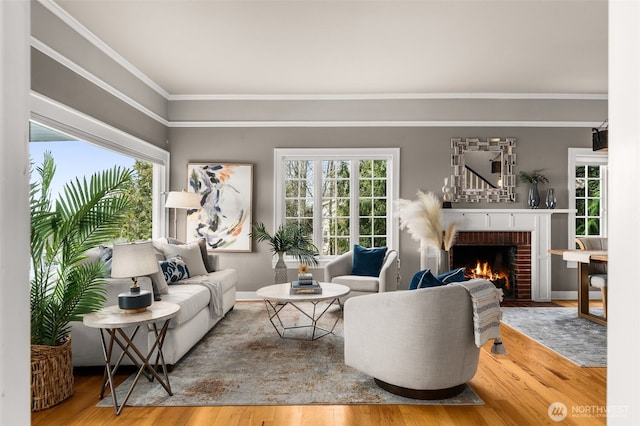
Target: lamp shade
point(133, 260)
point(182, 200)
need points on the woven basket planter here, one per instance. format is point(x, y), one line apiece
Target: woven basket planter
point(51, 375)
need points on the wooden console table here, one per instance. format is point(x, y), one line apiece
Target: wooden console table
point(584, 258)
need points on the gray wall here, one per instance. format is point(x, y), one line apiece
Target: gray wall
point(424, 162)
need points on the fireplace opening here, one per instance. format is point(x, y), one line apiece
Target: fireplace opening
point(495, 263)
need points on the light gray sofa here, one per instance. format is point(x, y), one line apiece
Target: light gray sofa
point(193, 321)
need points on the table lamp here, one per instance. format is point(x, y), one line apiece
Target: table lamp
point(181, 200)
point(132, 260)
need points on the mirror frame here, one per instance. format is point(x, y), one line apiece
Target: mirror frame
point(501, 146)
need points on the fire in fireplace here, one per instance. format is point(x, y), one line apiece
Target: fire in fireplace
point(492, 263)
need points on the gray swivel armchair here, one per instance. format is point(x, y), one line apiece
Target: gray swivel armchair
point(339, 271)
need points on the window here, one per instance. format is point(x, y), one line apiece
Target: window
point(587, 193)
point(343, 196)
point(52, 115)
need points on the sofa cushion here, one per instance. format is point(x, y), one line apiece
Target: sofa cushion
point(226, 277)
point(367, 261)
point(190, 253)
point(174, 269)
point(192, 298)
point(358, 282)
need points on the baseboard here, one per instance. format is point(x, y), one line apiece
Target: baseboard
point(246, 295)
point(573, 295)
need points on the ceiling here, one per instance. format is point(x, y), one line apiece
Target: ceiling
point(212, 47)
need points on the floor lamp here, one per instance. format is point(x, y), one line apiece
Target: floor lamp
point(181, 200)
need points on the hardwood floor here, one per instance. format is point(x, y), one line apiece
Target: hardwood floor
point(517, 390)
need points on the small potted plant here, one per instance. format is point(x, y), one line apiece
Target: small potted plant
point(533, 179)
point(291, 238)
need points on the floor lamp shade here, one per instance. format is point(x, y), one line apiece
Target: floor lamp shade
point(133, 260)
point(182, 200)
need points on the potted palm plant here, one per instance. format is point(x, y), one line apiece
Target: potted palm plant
point(291, 238)
point(63, 287)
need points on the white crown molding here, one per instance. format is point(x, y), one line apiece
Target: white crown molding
point(93, 39)
point(393, 96)
point(58, 57)
point(206, 124)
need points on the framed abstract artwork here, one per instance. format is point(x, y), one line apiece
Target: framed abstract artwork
point(224, 220)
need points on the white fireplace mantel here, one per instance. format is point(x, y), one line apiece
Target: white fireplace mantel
point(536, 221)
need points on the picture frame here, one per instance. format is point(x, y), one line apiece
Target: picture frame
point(225, 218)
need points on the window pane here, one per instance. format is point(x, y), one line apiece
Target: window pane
point(291, 208)
point(366, 190)
point(593, 226)
point(380, 242)
point(580, 203)
point(580, 185)
point(379, 188)
point(342, 188)
point(580, 226)
point(365, 207)
point(380, 226)
point(379, 207)
point(593, 207)
point(594, 188)
point(580, 171)
point(366, 169)
point(365, 226)
point(365, 242)
point(594, 171)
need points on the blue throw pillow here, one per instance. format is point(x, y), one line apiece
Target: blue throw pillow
point(367, 261)
point(425, 278)
point(174, 269)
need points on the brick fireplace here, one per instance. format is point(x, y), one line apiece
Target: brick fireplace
point(520, 265)
point(529, 230)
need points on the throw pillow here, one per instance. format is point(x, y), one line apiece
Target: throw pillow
point(174, 269)
point(367, 261)
point(159, 282)
point(429, 280)
point(203, 250)
point(190, 253)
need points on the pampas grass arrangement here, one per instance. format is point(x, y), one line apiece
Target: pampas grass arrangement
point(421, 218)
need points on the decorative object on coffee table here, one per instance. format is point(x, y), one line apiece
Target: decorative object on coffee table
point(291, 238)
point(133, 260)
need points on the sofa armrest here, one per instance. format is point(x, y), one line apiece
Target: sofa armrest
point(339, 266)
point(389, 273)
point(213, 260)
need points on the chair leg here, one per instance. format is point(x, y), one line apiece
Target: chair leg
point(603, 290)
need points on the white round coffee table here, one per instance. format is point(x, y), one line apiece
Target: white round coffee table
point(278, 296)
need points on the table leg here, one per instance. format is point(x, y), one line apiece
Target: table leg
point(583, 295)
point(143, 366)
point(273, 310)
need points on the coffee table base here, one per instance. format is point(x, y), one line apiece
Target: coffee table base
point(274, 308)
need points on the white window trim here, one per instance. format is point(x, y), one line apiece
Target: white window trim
point(60, 117)
point(581, 156)
point(392, 155)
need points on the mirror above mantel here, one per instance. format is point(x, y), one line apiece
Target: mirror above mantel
point(483, 169)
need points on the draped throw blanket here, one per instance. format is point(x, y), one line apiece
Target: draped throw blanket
point(215, 303)
point(485, 299)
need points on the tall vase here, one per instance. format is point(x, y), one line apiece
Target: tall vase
point(443, 261)
point(550, 200)
point(280, 269)
point(534, 196)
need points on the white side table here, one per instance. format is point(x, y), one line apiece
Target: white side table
point(112, 320)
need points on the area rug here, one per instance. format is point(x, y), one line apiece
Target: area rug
point(581, 341)
point(243, 361)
